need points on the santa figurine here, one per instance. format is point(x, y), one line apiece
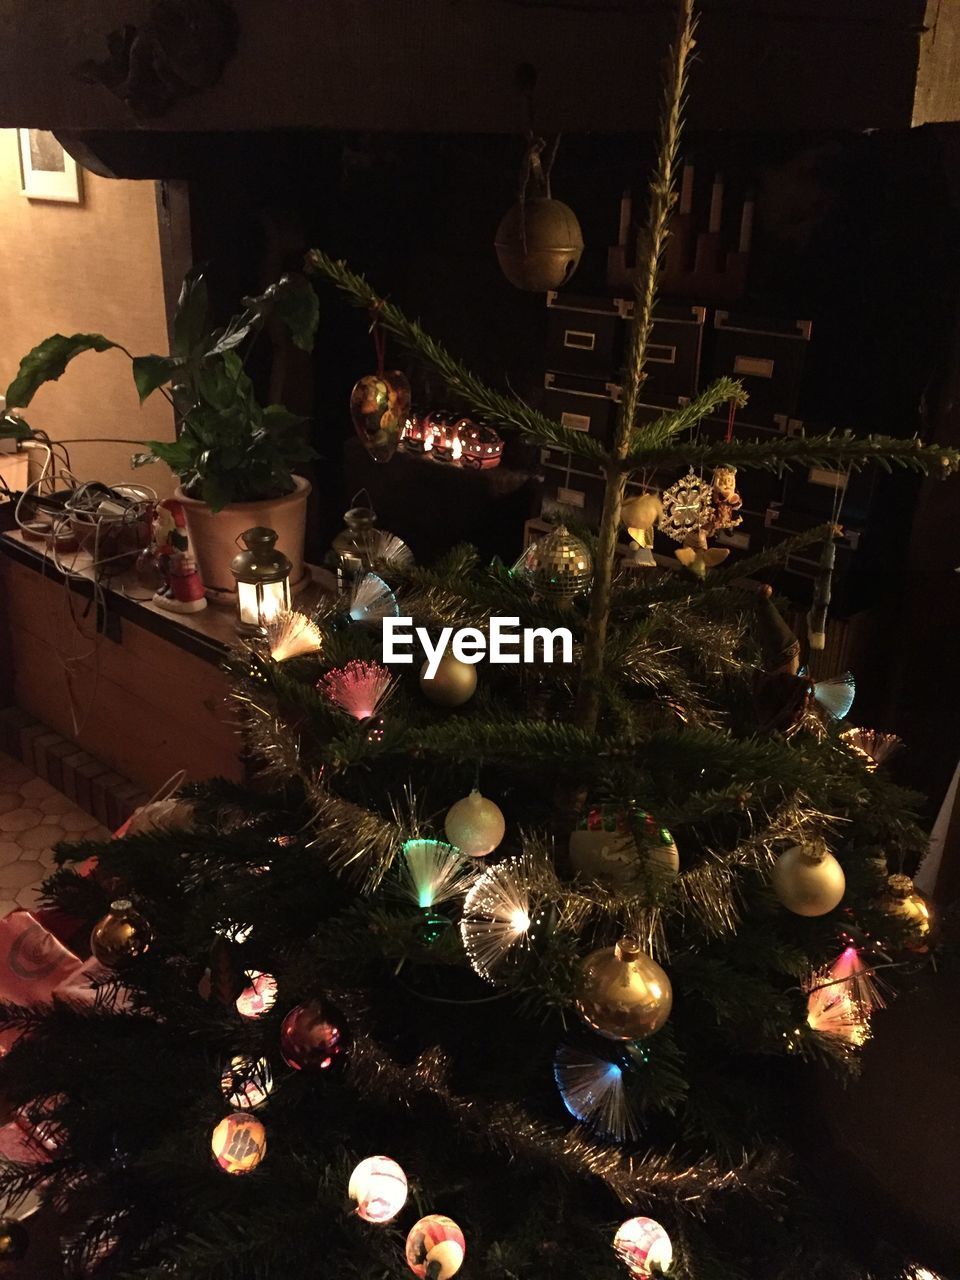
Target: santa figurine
point(726, 501)
point(182, 590)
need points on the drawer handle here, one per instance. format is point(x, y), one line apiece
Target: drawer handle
point(753, 366)
point(579, 339)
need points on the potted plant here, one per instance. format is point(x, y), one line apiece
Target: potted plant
point(235, 459)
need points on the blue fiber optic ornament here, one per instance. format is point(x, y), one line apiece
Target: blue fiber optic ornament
point(592, 1089)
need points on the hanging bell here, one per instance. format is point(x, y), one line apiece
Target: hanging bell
point(538, 244)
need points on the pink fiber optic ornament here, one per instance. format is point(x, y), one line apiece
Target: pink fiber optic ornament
point(359, 688)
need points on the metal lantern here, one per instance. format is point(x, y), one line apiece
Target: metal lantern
point(352, 548)
point(263, 581)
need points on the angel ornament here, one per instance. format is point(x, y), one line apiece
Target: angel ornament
point(695, 511)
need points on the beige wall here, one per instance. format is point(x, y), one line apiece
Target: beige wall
point(77, 268)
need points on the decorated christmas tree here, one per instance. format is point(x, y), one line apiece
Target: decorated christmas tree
point(506, 969)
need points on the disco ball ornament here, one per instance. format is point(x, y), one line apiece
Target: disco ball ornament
point(622, 993)
point(539, 244)
point(435, 1248)
point(246, 1083)
point(379, 407)
point(313, 1036)
point(808, 879)
point(120, 936)
point(558, 566)
point(475, 825)
point(642, 1244)
point(379, 1187)
point(454, 682)
point(14, 1240)
point(239, 1143)
point(616, 846)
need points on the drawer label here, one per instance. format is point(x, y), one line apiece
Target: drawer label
point(753, 366)
point(571, 497)
point(575, 421)
point(579, 339)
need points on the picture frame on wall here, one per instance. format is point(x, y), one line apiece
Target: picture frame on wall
point(46, 171)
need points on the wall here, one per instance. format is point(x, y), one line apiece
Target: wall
point(76, 268)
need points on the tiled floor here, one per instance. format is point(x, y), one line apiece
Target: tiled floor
point(33, 818)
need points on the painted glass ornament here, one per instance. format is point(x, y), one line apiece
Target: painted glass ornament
point(642, 1244)
point(432, 873)
point(379, 1187)
point(246, 1082)
point(122, 935)
point(14, 1240)
point(435, 1248)
point(617, 846)
point(623, 993)
point(293, 635)
point(592, 1091)
point(808, 879)
point(259, 996)
point(475, 825)
point(379, 406)
point(558, 566)
point(239, 1143)
point(454, 682)
point(359, 688)
point(313, 1036)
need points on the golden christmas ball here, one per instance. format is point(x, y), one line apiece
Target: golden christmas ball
point(121, 936)
point(904, 899)
point(622, 993)
point(538, 244)
point(14, 1240)
point(558, 566)
point(453, 683)
point(808, 879)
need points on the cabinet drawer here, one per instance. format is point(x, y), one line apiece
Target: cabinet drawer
point(766, 355)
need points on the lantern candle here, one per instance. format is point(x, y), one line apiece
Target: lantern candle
point(262, 574)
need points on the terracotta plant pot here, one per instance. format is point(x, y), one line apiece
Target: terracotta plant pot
point(214, 535)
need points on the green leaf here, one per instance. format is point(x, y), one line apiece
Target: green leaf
point(190, 322)
point(278, 418)
point(177, 454)
point(150, 372)
point(298, 307)
point(230, 337)
point(48, 360)
point(222, 383)
point(293, 301)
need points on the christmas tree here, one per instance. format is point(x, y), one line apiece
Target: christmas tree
point(520, 959)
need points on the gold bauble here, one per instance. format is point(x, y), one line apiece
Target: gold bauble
point(121, 936)
point(453, 684)
point(538, 244)
point(904, 899)
point(558, 566)
point(808, 880)
point(623, 993)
